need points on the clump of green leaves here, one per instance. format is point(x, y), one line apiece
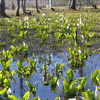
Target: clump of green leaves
point(77, 57)
point(71, 87)
point(95, 77)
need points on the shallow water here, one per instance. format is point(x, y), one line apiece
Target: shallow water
point(44, 92)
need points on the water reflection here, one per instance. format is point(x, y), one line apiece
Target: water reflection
point(45, 92)
point(21, 87)
point(81, 72)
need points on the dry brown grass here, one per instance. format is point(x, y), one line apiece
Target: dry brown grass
point(58, 9)
point(63, 9)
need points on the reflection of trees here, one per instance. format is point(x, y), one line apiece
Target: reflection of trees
point(21, 87)
point(81, 72)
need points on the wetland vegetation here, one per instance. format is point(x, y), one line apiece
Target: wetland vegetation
point(54, 56)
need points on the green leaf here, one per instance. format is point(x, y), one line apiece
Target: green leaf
point(99, 98)
point(98, 80)
point(57, 98)
point(33, 63)
point(1, 78)
point(79, 87)
point(85, 94)
point(99, 88)
point(70, 75)
point(3, 91)
point(34, 88)
point(37, 98)
point(33, 55)
point(19, 65)
point(6, 82)
point(59, 67)
point(66, 86)
point(83, 82)
point(12, 47)
point(29, 85)
point(54, 81)
point(8, 63)
point(13, 72)
point(95, 77)
point(95, 74)
point(62, 65)
point(53, 88)
point(12, 97)
point(72, 89)
point(3, 63)
point(46, 83)
point(27, 95)
point(7, 73)
point(88, 95)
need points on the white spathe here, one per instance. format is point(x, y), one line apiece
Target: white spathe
point(97, 93)
point(9, 91)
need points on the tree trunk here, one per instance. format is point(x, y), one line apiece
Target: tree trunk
point(69, 3)
point(73, 5)
point(13, 6)
point(24, 6)
point(2, 8)
point(18, 7)
point(51, 6)
point(37, 9)
point(51, 3)
point(80, 4)
point(94, 6)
